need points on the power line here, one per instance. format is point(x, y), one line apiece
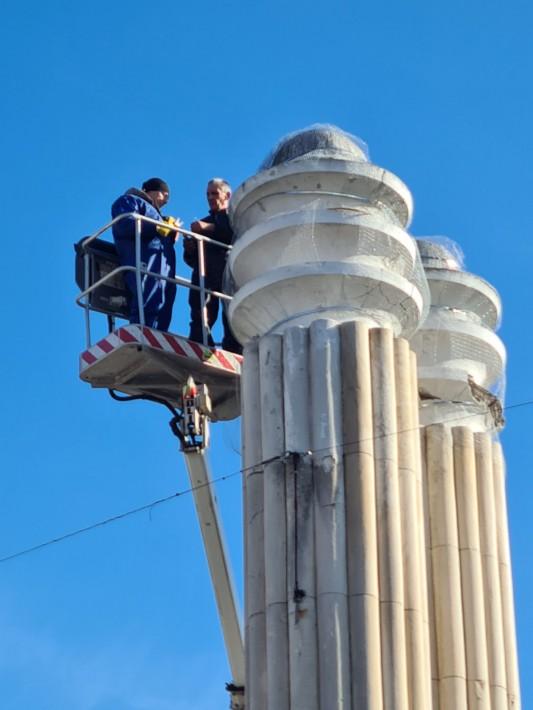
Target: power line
point(114, 518)
point(519, 404)
point(252, 467)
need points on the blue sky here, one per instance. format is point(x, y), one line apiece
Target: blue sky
point(97, 98)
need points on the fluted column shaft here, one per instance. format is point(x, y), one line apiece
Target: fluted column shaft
point(336, 606)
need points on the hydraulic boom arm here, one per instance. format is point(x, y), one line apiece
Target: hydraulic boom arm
point(196, 407)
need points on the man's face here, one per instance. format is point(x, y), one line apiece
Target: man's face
point(217, 198)
point(158, 197)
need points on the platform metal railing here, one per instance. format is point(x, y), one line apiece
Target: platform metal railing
point(83, 298)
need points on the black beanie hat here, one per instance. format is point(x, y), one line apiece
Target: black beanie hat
point(155, 185)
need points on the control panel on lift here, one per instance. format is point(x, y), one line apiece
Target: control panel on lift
point(96, 261)
point(196, 411)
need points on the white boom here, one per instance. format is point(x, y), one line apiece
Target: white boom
point(217, 558)
point(195, 437)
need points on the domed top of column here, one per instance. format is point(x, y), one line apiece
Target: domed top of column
point(319, 162)
point(319, 233)
point(441, 254)
point(317, 141)
point(451, 286)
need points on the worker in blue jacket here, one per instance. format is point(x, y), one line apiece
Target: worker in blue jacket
point(157, 251)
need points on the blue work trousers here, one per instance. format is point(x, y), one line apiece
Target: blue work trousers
point(157, 294)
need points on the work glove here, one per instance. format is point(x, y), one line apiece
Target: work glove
point(175, 222)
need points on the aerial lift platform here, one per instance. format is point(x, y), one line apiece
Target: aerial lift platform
point(141, 361)
point(197, 383)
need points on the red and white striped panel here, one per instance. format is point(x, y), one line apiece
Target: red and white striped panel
point(219, 359)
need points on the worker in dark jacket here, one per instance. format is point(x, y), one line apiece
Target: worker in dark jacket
point(157, 251)
point(215, 226)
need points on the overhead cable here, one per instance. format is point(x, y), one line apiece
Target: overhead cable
point(253, 467)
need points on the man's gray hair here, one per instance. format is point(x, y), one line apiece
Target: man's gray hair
point(220, 182)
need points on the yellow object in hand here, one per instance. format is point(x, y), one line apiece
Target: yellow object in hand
point(173, 222)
